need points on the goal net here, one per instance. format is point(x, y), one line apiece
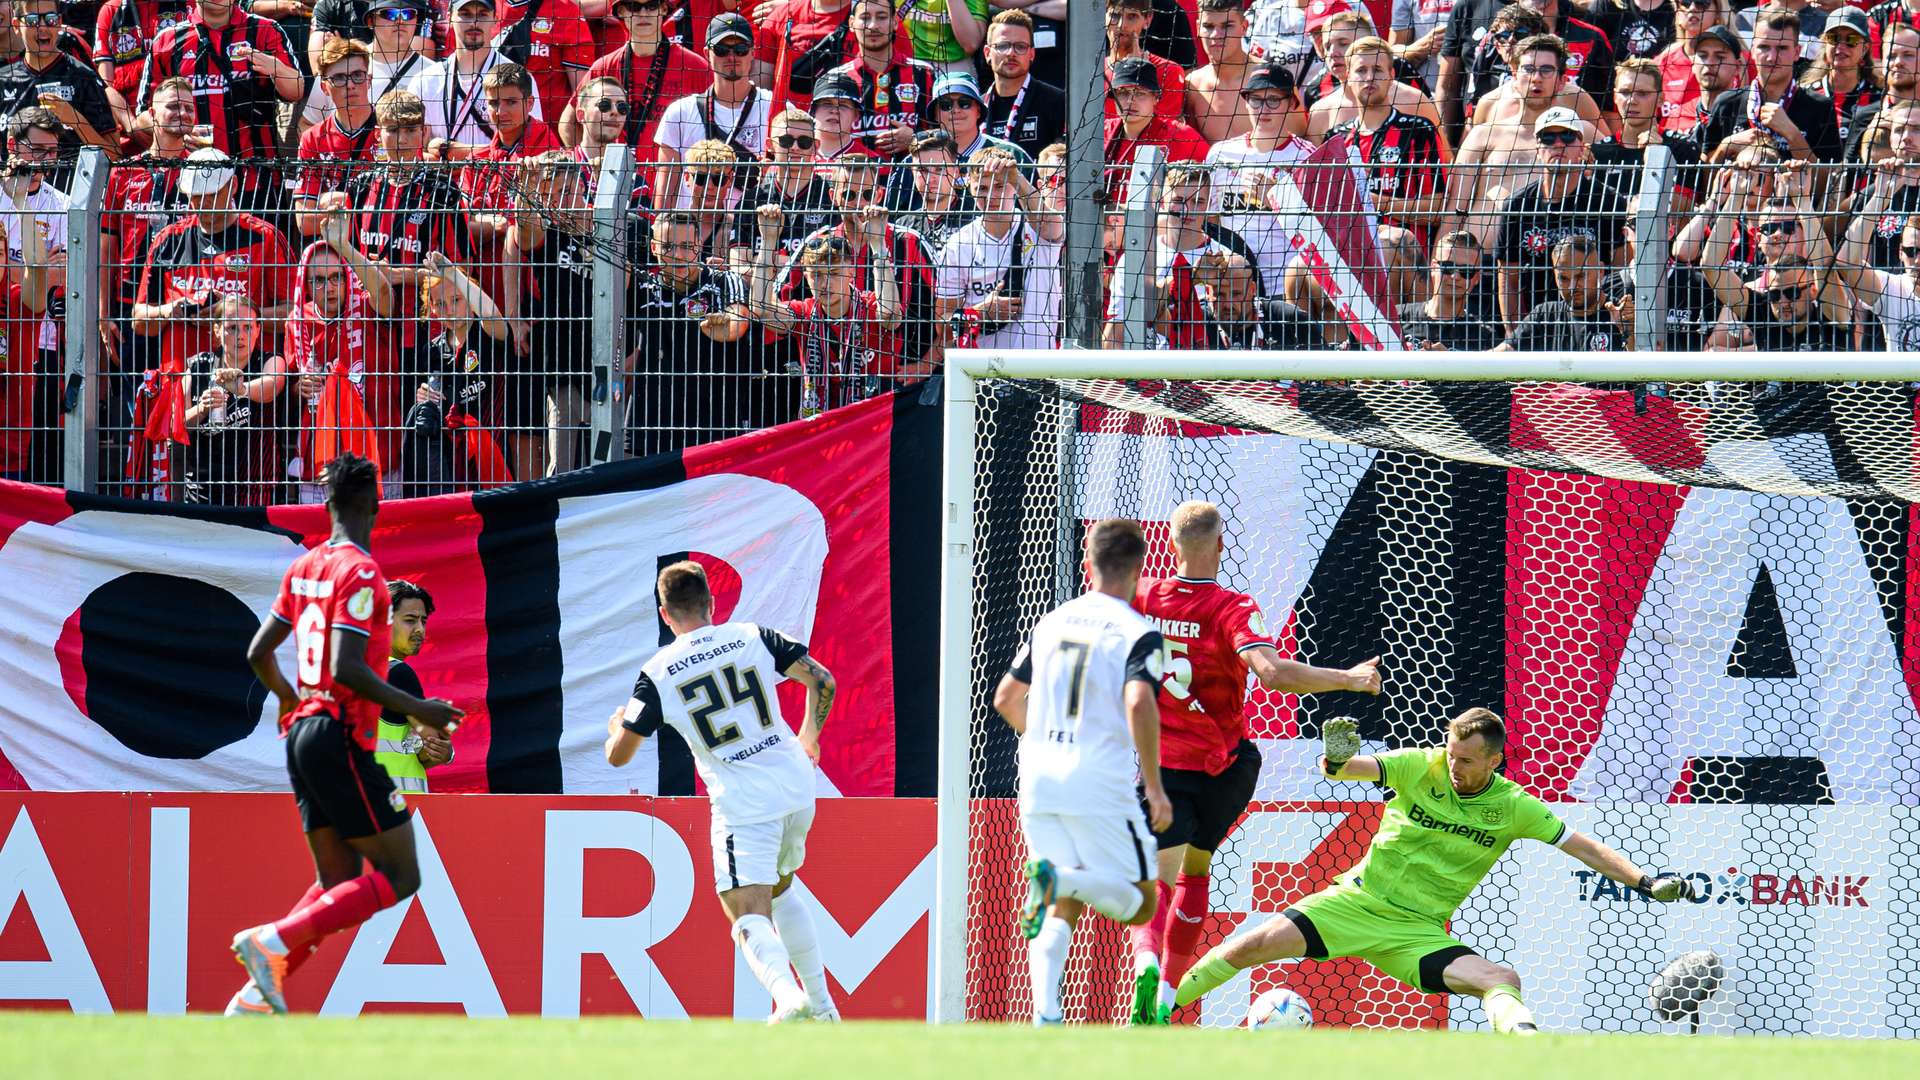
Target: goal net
point(1692, 601)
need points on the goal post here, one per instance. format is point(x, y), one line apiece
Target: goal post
point(1684, 579)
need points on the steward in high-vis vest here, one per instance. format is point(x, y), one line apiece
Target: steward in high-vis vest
point(404, 751)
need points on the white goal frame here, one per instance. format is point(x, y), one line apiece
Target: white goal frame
point(964, 370)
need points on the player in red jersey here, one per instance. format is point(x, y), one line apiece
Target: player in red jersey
point(334, 602)
point(1208, 766)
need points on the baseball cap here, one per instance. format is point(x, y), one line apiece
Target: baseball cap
point(1134, 71)
point(954, 82)
point(462, 5)
point(836, 87)
point(728, 24)
point(1319, 11)
point(1271, 77)
point(207, 170)
point(1724, 35)
point(1846, 18)
point(1558, 117)
point(392, 5)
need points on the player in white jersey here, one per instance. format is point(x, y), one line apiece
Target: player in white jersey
point(714, 685)
point(1081, 693)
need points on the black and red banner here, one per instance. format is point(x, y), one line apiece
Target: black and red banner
point(127, 622)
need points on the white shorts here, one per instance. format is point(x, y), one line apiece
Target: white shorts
point(761, 853)
point(1111, 844)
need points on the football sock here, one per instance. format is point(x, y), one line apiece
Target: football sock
point(296, 957)
point(1505, 1008)
point(1212, 971)
point(1150, 937)
point(1046, 963)
point(793, 920)
point(1109, 894)
point(768, 960)
point(1183, 933)
point(349, 903)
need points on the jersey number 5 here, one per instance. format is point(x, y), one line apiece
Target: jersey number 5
point(741, 687)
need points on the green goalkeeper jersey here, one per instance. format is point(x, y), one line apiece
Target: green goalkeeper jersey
point(1433, 845)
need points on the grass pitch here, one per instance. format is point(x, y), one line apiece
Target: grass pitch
point(34, 1045)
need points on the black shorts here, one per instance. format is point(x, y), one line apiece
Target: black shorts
point(337, 783)
point(1206, 807)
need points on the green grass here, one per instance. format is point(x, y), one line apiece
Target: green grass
point(102, 1048)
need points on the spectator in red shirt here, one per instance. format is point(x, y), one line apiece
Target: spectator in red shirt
point(836, 113)
point(347, 135)
point(655, 71)
point(508, 90)
point(23, 297)
point(1136, 93)
point(143, 197)
point(559, 47)
point(895, 95)
point(338, 343)
point(1126, 20)
point(241, 70)
point(123, 34)
point(813, 35)
point(1681, 107)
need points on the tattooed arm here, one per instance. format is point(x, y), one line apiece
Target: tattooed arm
point(820, 688)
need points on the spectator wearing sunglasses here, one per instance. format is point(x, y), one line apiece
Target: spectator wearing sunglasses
point(1784, 227)
point(1782, 312)
point(732, 110)
point(895, 96)
point(710, 194)
point(603, 111)
point(1570, 199)
point(791, 181)
point(1581, 318)
point(655, 71)
point(354, 20)
point(1451, 318)
point(391, 58)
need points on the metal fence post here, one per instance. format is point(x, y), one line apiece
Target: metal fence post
point(1142, 211)
point(1650, 251)
point(607, 407)
point(83, 392)
point(1086, 178)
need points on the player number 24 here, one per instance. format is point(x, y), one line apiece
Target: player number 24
point(741, 687)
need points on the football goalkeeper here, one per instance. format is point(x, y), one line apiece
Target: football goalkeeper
point(1450, 817)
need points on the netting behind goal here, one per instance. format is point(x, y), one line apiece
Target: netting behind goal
point(1693, 603)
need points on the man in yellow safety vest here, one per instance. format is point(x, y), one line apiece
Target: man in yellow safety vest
point(404, 750)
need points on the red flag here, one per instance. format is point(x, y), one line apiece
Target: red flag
point(782, 73)
point(1338, 210)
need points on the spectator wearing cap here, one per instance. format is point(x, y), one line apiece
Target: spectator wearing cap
point(457, 118)
point(391, 59)
point(1636, 101)
point(1402, 151)
point(1579, 318)
point(947, 34)
point(959, 108)
point(1134, 87)
point(354, 20)
point(835, 107)
point(1214, 106)
point(732, 109)
point(46, 76)
point(241, 70)
point(1899, 73)
point(1126, 21)
point(348, 135)
point(1021, 107)
point(1719, 64)
point(895, 96)
point(655, 71)
point(1799, 122)
point(1501, 153)
point(1338, 104)
point(123, 34)
point(1246, 167)
point(1841, 73)
point(1681, 105)
point(1570, 199)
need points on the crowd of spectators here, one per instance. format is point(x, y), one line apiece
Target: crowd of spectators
point(367, 224)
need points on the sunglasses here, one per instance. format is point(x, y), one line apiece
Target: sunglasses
point(794, 142)
point(953, 104)
point(1778, 228)
point(1458, 269)
point(1774, 296)
point(399, 15)
point(606, 105)
point(639, 9)
point(1557, 137)
point(745, 49)
point(707, 179)
point(1505, 35)
point(41, 18)
point(1694, 5)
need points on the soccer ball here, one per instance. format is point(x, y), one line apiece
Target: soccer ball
point(1280, 1009)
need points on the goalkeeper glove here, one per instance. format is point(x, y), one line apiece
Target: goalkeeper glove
point(1341, 737)
point(1666, 888)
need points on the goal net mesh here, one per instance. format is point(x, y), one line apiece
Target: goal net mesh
point(1691, 603)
